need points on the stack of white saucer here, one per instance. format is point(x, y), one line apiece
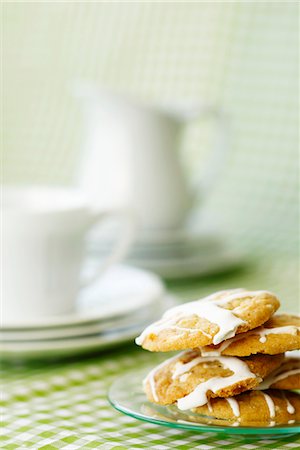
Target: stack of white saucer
point(174, 254)
point(111, 311)
point(52, 302)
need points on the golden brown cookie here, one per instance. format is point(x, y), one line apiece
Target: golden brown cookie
point(279, 334)
point(191, 379)
point(210, 320)
point(286, 376)
point(256, 408)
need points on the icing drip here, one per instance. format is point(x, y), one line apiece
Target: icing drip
point(272, 423)
point(198, 397)
point(234, 406)
point(274, 377)
point(209, 406)
point(290, 408)
point(291, 421)
point(209, 308)
point(295, 354)
point(150, 377)
point(270, 404)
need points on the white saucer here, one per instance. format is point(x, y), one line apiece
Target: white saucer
point(80, 344)
point(173, 236)
point(121, 290)
point(190, 266)
point(147, 314)
point(191, 245)
point(181, 254)
point(66, 347)
point(160, 237)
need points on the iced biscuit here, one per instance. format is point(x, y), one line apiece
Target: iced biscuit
point(210, 320)
point(286, 376)
point(191, 379)
point(281, 333)
point(255, 408)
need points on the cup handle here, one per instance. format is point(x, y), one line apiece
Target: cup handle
point(121, 246)
point(218, 156)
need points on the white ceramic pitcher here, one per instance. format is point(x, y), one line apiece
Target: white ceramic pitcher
point(130, 157)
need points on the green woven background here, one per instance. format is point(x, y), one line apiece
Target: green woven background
point(240, 55)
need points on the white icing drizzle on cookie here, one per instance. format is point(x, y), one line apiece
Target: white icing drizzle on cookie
point(289, 406)
point(291, 421)
point(270, 404)
point(289, 329)
point(184, 377)
point(183, 368)
point(210, 409)
point(150, 377)
point(198, 397)
point(261, 331)
point(210, 308)
point(234, 406)
point(294, 354)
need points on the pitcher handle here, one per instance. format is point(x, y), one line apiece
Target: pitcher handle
point(217, 158)
point(121, 245)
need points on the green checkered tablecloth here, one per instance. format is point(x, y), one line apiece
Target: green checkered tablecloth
point(63, 404)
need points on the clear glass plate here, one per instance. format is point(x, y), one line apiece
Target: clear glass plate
point(127, 396)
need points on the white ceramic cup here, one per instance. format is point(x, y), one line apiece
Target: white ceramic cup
point(43, 234)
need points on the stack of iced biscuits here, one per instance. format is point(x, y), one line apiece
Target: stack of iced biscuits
point(233, 366)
